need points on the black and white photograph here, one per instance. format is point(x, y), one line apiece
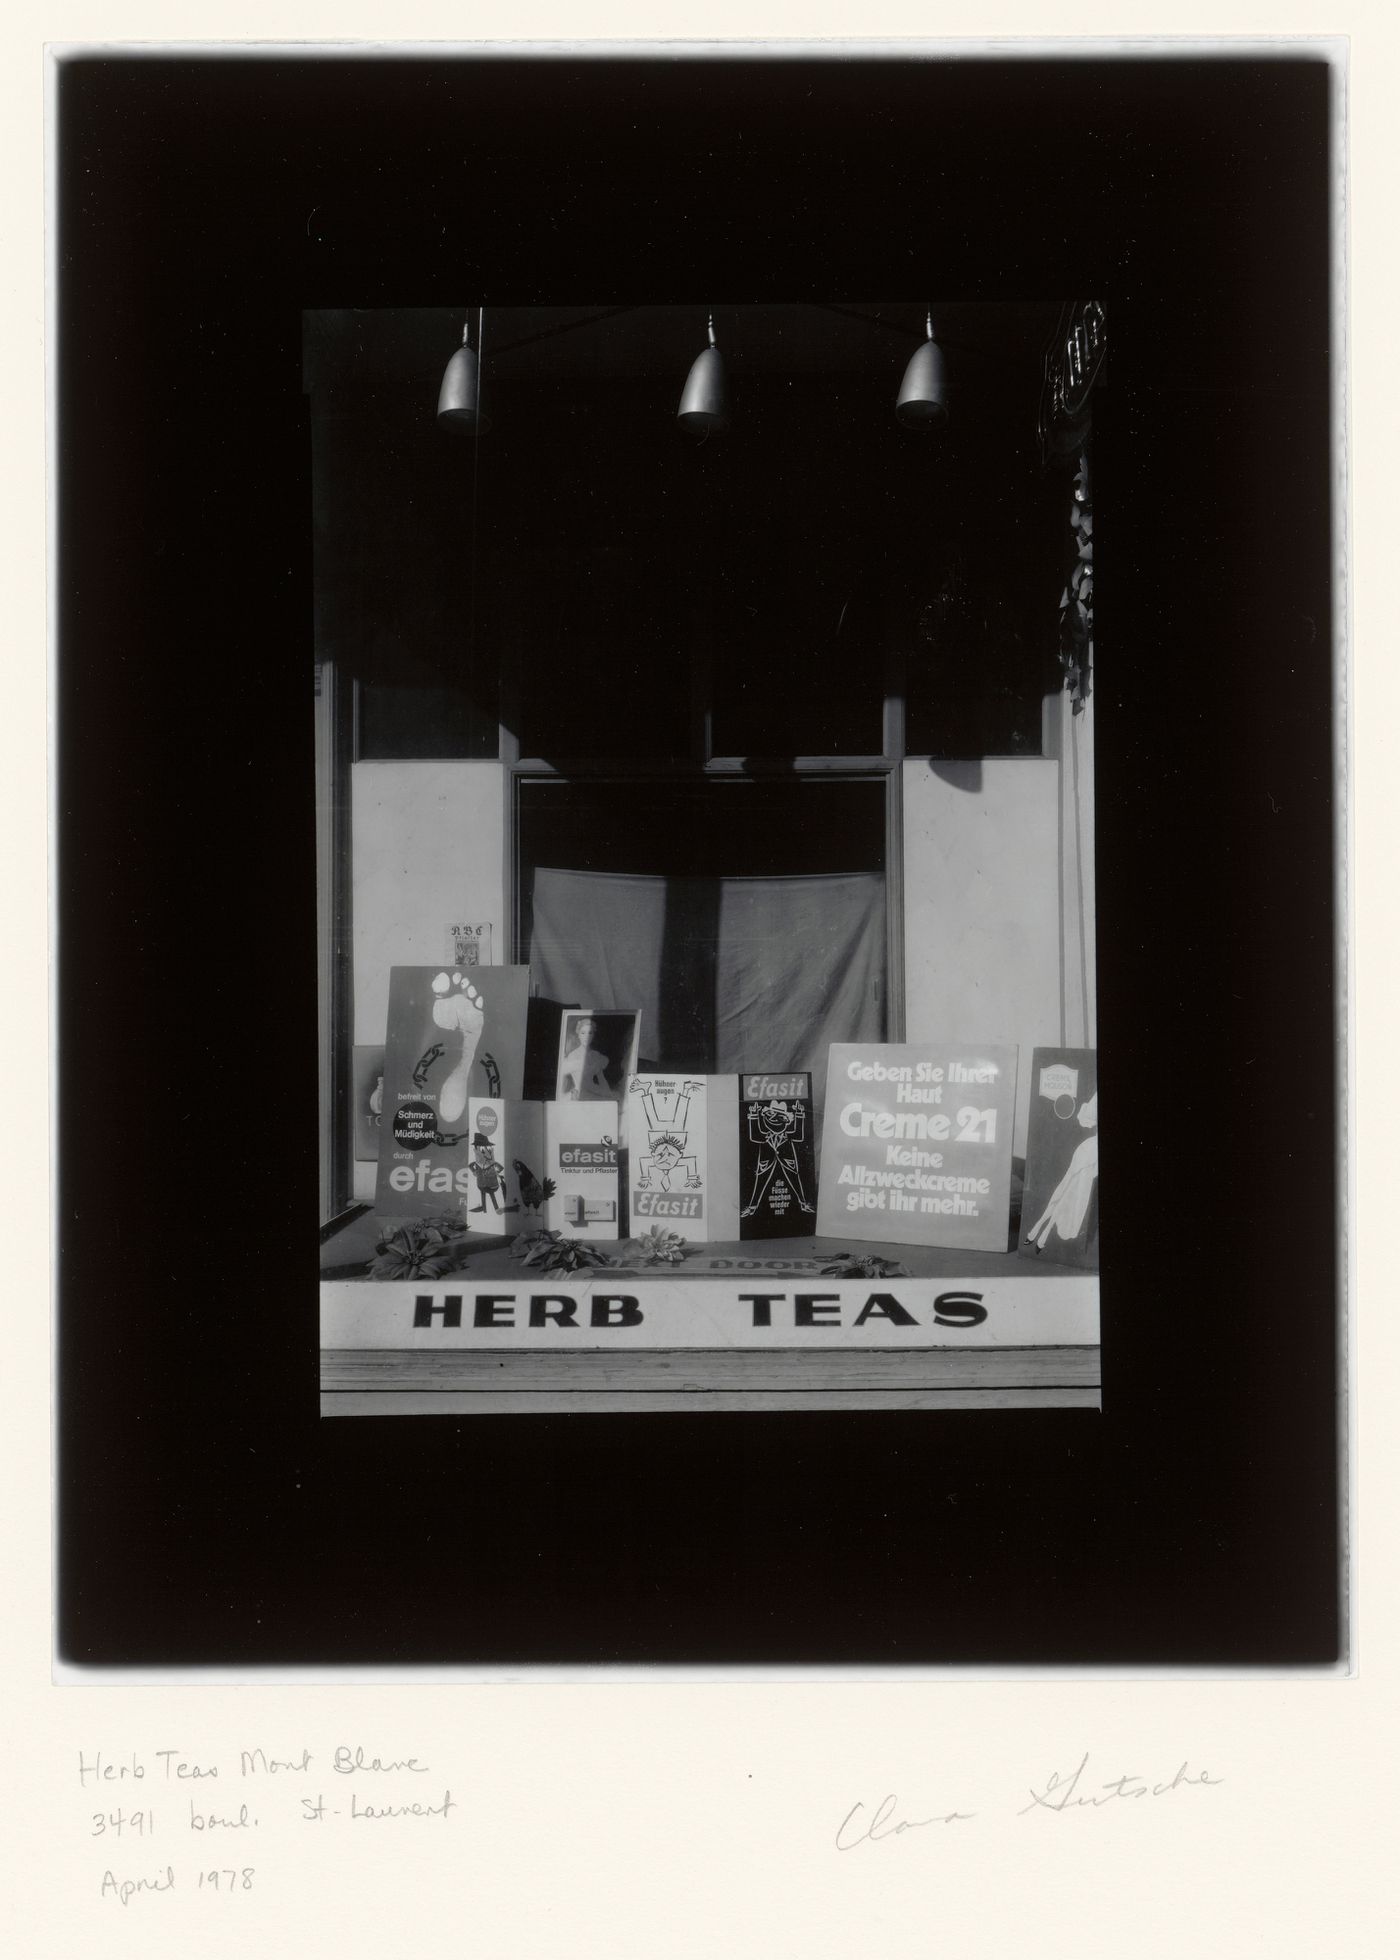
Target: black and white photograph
point(597, 1053)
point(736, 664)
point(828, 558)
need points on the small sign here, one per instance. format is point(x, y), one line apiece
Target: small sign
point(615, 1309)
point(469, 945)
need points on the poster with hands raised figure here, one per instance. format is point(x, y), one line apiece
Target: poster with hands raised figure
point(1060, 1210)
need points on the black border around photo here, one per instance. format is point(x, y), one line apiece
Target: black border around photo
point(206, 1515)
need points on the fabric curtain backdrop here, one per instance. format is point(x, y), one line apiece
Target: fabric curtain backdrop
point(730, 974)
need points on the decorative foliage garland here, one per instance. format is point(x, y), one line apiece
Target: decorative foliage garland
point(551, 1252)
point(428, 1247)
point(658, 1247)
point(421, 1248)
point(1077, 599)
point(869, 1265)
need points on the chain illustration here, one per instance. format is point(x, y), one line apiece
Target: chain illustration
point(430, 1055)
point(426, 1060)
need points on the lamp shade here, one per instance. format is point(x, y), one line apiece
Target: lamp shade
point(703, 402)
point(459, 397)
point(923, 393)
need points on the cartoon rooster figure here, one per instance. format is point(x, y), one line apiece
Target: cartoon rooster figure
point(534, 1192)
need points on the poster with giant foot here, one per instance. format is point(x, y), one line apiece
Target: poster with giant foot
point(454, 1034)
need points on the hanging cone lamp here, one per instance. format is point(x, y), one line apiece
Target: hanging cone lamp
point(703, 401)
point(459, 397)
point(923, 393)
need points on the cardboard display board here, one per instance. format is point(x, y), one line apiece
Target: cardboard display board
point(916, 1144)
point(1060, 1211)
point(581, 1194)
point(454, 1034)
point(777, 1156)
point(504, 1135)
point(682, 1137)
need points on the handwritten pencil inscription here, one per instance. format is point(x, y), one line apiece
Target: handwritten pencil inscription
point(149, 1808)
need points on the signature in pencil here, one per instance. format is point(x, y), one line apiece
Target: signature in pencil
point(1075, 1792)
point(1061, 1791)
point(862, 1826)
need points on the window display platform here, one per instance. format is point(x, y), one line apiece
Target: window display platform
point(757, 1325)
point(348, 1251)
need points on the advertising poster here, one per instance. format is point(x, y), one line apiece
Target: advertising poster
point(489, 1190)
point(669, 1154)
point(453, 1036)
point(1060, 1211)
point(916, 1145)
point(580, 1192)
point(777, 1156)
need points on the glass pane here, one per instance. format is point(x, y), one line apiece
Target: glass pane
point(585, 569)
point(582, 549)
point(393, 503)
point(982, 619)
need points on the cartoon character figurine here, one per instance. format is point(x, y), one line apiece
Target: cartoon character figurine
point(489, 1175)
point(777, 1129)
